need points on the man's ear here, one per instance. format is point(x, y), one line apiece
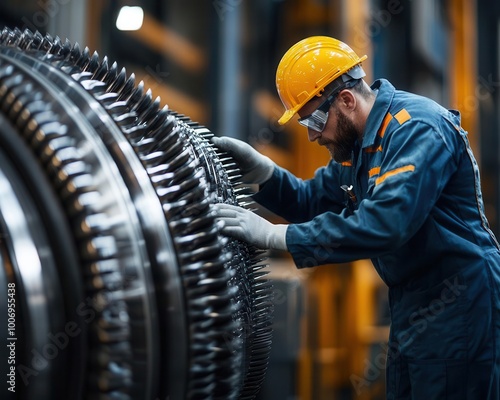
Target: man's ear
point(347, 100)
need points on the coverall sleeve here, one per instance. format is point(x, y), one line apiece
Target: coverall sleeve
point(416, 165)
point(299, 200)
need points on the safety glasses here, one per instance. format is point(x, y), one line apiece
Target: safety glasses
point(318, 118)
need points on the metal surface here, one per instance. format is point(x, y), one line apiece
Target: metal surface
point(31, 268)
point(168, 307)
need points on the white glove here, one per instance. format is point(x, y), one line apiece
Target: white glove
point(255, 167)
point(247, 226)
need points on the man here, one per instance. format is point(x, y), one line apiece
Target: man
point(402, 189)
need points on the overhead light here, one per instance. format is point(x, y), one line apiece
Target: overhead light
point(130, 18)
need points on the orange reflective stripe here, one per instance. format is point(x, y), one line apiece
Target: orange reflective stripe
point(346, 164)
point(373, 171)
point(402, 116)
point(396, 171)
point(385, 122)
point(372, 149)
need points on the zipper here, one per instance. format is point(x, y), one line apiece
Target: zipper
point(477, 191)
point(358, 191)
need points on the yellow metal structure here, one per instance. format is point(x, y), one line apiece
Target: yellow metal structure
point(465, 91)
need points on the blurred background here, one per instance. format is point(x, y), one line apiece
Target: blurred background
point(215, 62)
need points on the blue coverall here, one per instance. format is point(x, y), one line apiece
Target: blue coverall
point(415, 209)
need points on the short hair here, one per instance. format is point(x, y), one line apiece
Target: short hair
point(362, 89)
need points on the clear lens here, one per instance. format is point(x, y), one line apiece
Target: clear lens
point(316, 121)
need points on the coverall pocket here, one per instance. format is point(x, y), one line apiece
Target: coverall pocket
point(438, 379)
point(431, 325)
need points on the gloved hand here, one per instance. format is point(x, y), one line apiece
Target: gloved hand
point(245, 225)
point(255, 167)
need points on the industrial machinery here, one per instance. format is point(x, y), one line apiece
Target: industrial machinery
point(116, 282)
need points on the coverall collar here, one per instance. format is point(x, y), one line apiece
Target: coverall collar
point(385, 93)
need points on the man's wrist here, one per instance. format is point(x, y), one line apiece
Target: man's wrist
point(277, 239)
point(268, 175)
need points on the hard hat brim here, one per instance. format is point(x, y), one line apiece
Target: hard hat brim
point(287, 116)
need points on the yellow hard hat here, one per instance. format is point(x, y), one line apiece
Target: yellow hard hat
point(308, 66)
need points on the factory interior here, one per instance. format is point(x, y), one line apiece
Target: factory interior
point(215, 62)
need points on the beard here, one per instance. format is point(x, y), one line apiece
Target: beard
point(342, 146)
